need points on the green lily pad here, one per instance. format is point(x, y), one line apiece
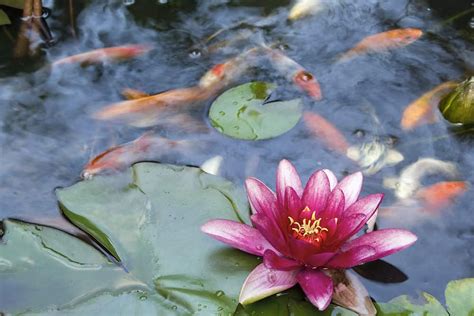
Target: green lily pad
point(404, 305)
point(4, 19)
point(149, 218)
point(458, 106)
point(291, 302)
point(460, 297)
point(242, 113)
point(19, 4)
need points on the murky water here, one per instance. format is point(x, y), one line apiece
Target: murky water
point(48, 135)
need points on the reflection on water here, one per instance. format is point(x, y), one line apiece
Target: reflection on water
point(48, 135)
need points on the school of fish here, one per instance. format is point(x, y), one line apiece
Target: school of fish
point(143, 109)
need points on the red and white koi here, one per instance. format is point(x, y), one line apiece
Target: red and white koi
point(295, 73)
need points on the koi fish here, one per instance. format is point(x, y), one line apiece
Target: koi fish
point(213, 165)
point(427, 201)
point(120, 157)
point(329, 135)
point(374, 156)
point(223, 74)
point(422, 109)
point(295, 73)
point(303, 8)
point(105, 54)
point(410, 178)
point(382, 42)
point(132, 94)
point(146, 111)
point(441, 194)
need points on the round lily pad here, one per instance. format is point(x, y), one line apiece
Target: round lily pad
point(458, 106)
point(242, 112)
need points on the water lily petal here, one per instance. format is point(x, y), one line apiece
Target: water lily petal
point(317, 286)
point(237, 235)
point(319, 259)
point(335, 205)
point(274, 261)
point(383, 243)
point(316, 192)
point(263, 282)
point(293, 204)
point(367, 205)
point(350, 258)
point(351, 186)
point(355, 217)
point(271, 231)
point(347, 228)
point(300, 249)
point(332, 178)
point(261, 198)
point(287, 176)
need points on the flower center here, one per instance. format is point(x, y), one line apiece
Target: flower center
point(309, 229)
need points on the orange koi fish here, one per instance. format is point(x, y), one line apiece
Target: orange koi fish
point(422, 109)
point(146, 111)
point(383, 41)
point(132, 94)
point(329, 135)
point(294, 72)
point(105, 54)
point(441, 194)
point(120, 157)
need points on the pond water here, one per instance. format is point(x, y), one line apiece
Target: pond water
point(47, 132)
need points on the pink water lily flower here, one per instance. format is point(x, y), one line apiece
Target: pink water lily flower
point(303, 232)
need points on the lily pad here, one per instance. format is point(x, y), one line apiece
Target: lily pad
point(404, 305)
point(4, 20)
point(460, 297)
point(19, 4)
point(242, 113)
point(149, 218)
point(458, 106)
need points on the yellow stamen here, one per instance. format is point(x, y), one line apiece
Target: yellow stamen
point(308, 227)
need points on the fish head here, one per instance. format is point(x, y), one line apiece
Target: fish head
point(308, 83)
point(407, 36)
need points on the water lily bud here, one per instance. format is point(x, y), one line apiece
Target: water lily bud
point(458, 106)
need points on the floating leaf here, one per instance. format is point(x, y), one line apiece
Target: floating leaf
point(19, 4)
point(403, 305)
point(458, 106)
point(150, 218)
point(460, 297)
point(291, 302)
point(242, 113)
point(4, 20)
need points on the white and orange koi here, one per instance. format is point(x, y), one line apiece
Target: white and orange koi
point(384, 41)
point(422, 110)
point(326, 132)
point(295, 73)
point(105, 54)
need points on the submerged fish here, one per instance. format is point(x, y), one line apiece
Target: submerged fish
point(122, 156)
point(295, 73)
point(441, 194)
point(374, 156)
point(383, 41)
point(410, 178)
point(147, 111)
point(213, 165)
point(106, 54)
point(132, 94)
point(221, 75)
point(303, 8)
point(327, 133)
point(422, 110)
